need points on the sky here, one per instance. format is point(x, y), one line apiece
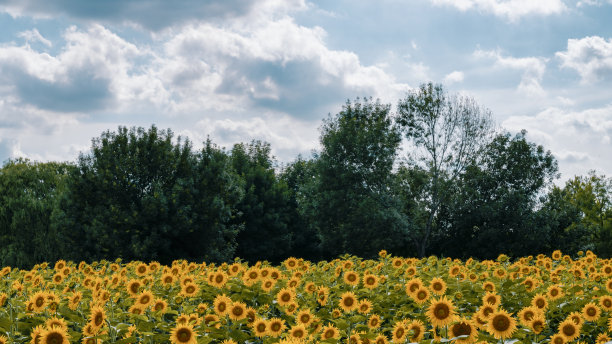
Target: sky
point(272, 70)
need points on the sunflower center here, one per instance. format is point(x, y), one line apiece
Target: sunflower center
point(98, 319)
point(349, 301)
point(237, 311)
point(421, 295)
point(145, 299)
point(416, 331)
point(374, 322)
point(286, 297)
point(352, 278)
point(569, 330)
point(299, 333)
point(190, 289)
point(442, 311)
point(261, 327)
point(329, 334)
point(501, 323)
point(55, 338)
point(528, 315)
point(591, 312)
point(370, 281)
point(219, 279)
point(305, 318)
point(437, 286)
point(540, 303)
point(558, 340)
point(183, 335)
point(461, 329)
point(275, 327)
point(40, 301)
point(399, 333)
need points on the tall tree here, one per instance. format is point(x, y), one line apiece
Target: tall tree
point(136, 196)
point(356, 213)
point(28, 196)
point(265, 210)
point(446, 133)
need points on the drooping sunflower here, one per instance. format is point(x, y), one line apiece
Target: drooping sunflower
point(183, 334)
point(330, 331)
point(351, 277)
point(97, 317)
point(222, 304)
point(285, 296)
point(463, 327)
point(260, 327)
point(501, 324)
point(569, 330)
point(348, 302)
point(590, 312)
point(441, 312)
point(237, 311)
point(54, 335)
point(275, 327)
point(437, 286)
point(418, 330)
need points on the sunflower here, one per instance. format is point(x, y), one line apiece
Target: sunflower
point(54, 335)
point(527, 314)
point(606, 302)
point(370, 281)
point(260, 327)
point(463, 327)
point(285, 296)
point(97, 317)
point(348, 302)
point(222, 304)
point(145, 299)
point(39, 301)
point(322, 295)
point(133, 287)
point(539, 300)
point(268, 284)
point(421, 295)
point(167, 279)
point(189, 289)
point(413, 285)
point(492, 299)
point(135, 309)
point(365, 306)
point(36, 335)
point(91, 340)
point(298, 331)
point(590, 312)
point(209, 319)
point(237, 311)
point(374, 321)
point(557, 338)
point(537, 324)
point(219, 279)
point(58, 322)
point(418, 330)
point(488, 286)
point(290, 308)
point(554, 292)
point(330, 331)
point(351, 278)
point(576, 318)
point(501, 324)
point(291, 263)
point(441, 312)
point(275, 327)
point(399, 332)
point(602, 338)
point(141, 269)
point(486, 311)
point(381, 339)
point(159, 305)
point(183, 334)
point(304, 317)
point(437, 286)
point(569, 330)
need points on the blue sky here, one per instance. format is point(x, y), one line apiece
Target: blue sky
point(239, 70)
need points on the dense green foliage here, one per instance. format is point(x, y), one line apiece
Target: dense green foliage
point(460, 189)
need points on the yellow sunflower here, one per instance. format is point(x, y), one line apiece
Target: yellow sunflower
point(413, 285)
point(275, 327)
point(57, 322)
point(374, 321)
point(145, 299)
point(36, 334)
point(54, 335)
point(222, 304)
point(39, 301)
point(441, 312)
point(554, 292)
point(298, 331)
point(590, 312)
point(133, 287)
point(348, 302)
point(381, 339)
point(539, 300)
point(569, 330)
point(527, 314)
point(183, 334)
point(260, 327)
point(463, 327)
point(605, 302)
point(492, 299)
point(351, 278)
point(304, 317)
point(399, 332)
point(97, 317)
point(189, 289)
point(576, 318)
point(418, 330)
point(370, 281)
point(530, 283)
point(237, 311)
point(537, 324)
point(557, 338)
point(159, 305)
point(219, 279)
point(501, 324)
point(329, 332)
point(602, 338)
point(285, 296)
point(437, 286)
point(365, 306)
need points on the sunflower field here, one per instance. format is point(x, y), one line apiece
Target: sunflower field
point(556, 299)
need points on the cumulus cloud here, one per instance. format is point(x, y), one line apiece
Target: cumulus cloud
point(150, 14)
point(453, 77)
point(509, 9)
point(34, 36)
point(580, 140)
point(591, 57)
point(533, 69)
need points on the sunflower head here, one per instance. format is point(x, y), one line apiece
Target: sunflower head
point(275, 327)
point(222, 304)
point(463, 327)
point(538, 323)
point(54, 335)
point(348, 302)
point(260, 327)
point(97, 317)
point(183, 334)
point(591, 312)
point(441, 312)
point(501, 324)
point(418, 330)
point(569, 330)
point(237, 311)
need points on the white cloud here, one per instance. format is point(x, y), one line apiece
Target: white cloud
point(34, 36)
point(580, 140)
point(510, 9)
point(591, 57)
point(453, 77)
point(533, 69)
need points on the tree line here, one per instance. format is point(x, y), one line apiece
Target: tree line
point(459, 188)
